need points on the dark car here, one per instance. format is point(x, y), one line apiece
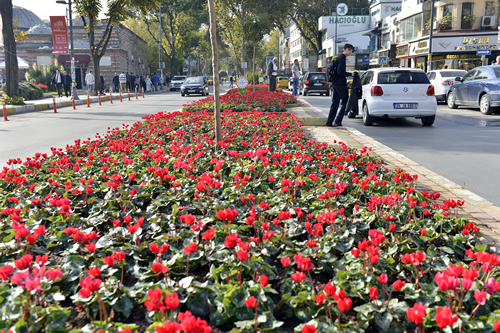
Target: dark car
point(195, 85)
point(314, 82)
point(478, 88)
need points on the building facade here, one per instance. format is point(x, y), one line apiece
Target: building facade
point(125, 52)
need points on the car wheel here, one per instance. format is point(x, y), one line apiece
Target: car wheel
point(351, 114)
point(484, 105)
point(451, 100)
point(182, 95)
point(428, 121)
point(367, 119)
point(328, 93)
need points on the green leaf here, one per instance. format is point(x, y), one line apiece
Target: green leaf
point(383, 321)
point(198, 303)
point(124, 305)
point(56, 319)
point(105, 241)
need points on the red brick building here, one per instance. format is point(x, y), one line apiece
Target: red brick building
point(125, 52)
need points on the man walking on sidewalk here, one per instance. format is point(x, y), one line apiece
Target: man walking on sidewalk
point(123, 81)
point(89, 79)
point(155, 81)
point(337, 76)
point(296, 75)
point(67, 84)
point(116, 82)
point(58, 82)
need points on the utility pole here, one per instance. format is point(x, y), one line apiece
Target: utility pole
point(72, 48)
point(429, 56)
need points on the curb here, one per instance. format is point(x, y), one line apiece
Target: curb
point(485, 214)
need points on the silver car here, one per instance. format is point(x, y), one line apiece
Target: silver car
point(177, 82)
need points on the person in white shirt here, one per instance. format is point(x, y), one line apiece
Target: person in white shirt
point(123, 81)
point(295, 75)
point(58, 81)
point(89, 79)
point(272, 72)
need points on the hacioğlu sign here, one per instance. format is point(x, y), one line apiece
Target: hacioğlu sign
point(348, 19)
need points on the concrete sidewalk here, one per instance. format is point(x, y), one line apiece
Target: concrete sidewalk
point(48, 104)
point(477, 209)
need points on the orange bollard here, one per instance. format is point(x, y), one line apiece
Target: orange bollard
point(88, 99)
point(54, 100)
point(136, 93)
point(111, 97)
point(99, 94)
point(128, 91)
point(142, 92)
point(121, 96)
point(4, 110)
point(73, 99)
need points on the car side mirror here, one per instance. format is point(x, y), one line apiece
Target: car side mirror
point(458, 79)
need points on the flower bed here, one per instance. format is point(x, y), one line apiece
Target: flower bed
point(244, 100)
point(148, 228)
point(258, 87)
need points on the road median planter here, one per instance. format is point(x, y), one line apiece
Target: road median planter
point(152, 229)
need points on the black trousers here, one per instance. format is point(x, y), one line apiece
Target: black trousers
point(59, 89)
point(67, 89)
point(272, 83)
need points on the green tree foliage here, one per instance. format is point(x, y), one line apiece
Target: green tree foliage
point(43, 74)
point(180, 21)
point(89, 11)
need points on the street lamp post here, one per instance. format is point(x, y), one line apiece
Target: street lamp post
point(336, 46)
point(159, 50)
point(72, 48)
point(429, 57)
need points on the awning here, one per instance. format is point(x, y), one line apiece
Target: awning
point(66, 59)
point(21, 64)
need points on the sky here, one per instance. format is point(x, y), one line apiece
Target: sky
point(46, 8)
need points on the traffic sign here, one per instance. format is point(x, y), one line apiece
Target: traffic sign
point(382, 60)
point(268, 59)
point(483, 52)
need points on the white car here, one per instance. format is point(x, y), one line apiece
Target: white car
point(443, 79)
point(177, 82)
point(397, 93)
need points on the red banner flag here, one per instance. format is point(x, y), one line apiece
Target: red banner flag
point(59, 34)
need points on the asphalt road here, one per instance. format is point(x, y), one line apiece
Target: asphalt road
point(28, 133)
point(463, 145)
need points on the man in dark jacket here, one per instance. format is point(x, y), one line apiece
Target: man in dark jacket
point(339, 85)
point(66, 79)
point(57, 80)
point(116, 82)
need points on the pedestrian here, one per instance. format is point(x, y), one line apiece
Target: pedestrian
point(168, 80)
point(148, 84)
point(272, 73)
point(116, 82)
point(155, 81)
point(231, 81)
point(57, 81)
point(128, 82)
point(89, 79)
point(102, 84)
point(497, 61)
point(67, 83)
point(123, 81)
point(143, 83)
point(337, 77)
point(132, 82)
point(296, 75)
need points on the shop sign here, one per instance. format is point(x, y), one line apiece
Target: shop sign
point(458, 56)
point(421, 47)
point(347, 19)
point(464, 43)
point(402, 51)
point(363, 60)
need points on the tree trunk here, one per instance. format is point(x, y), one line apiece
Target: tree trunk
point(253, 68)
point(215, 64)
point(242, 43)
point(9, 44)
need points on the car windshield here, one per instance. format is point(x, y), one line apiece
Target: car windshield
point(178, 78)
point(194, 80)
point(317, 76)
point(399, 77)
point(453, 73)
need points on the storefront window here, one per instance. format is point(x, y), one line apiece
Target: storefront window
point(465, 64)
point(411, 28)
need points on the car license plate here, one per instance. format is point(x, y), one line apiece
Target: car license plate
point(318, 84)
point(406, 105)
point(191, 90)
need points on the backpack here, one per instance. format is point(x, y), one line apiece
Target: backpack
point(332, 71)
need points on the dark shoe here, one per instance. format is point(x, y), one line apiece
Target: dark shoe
point(329, 125)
